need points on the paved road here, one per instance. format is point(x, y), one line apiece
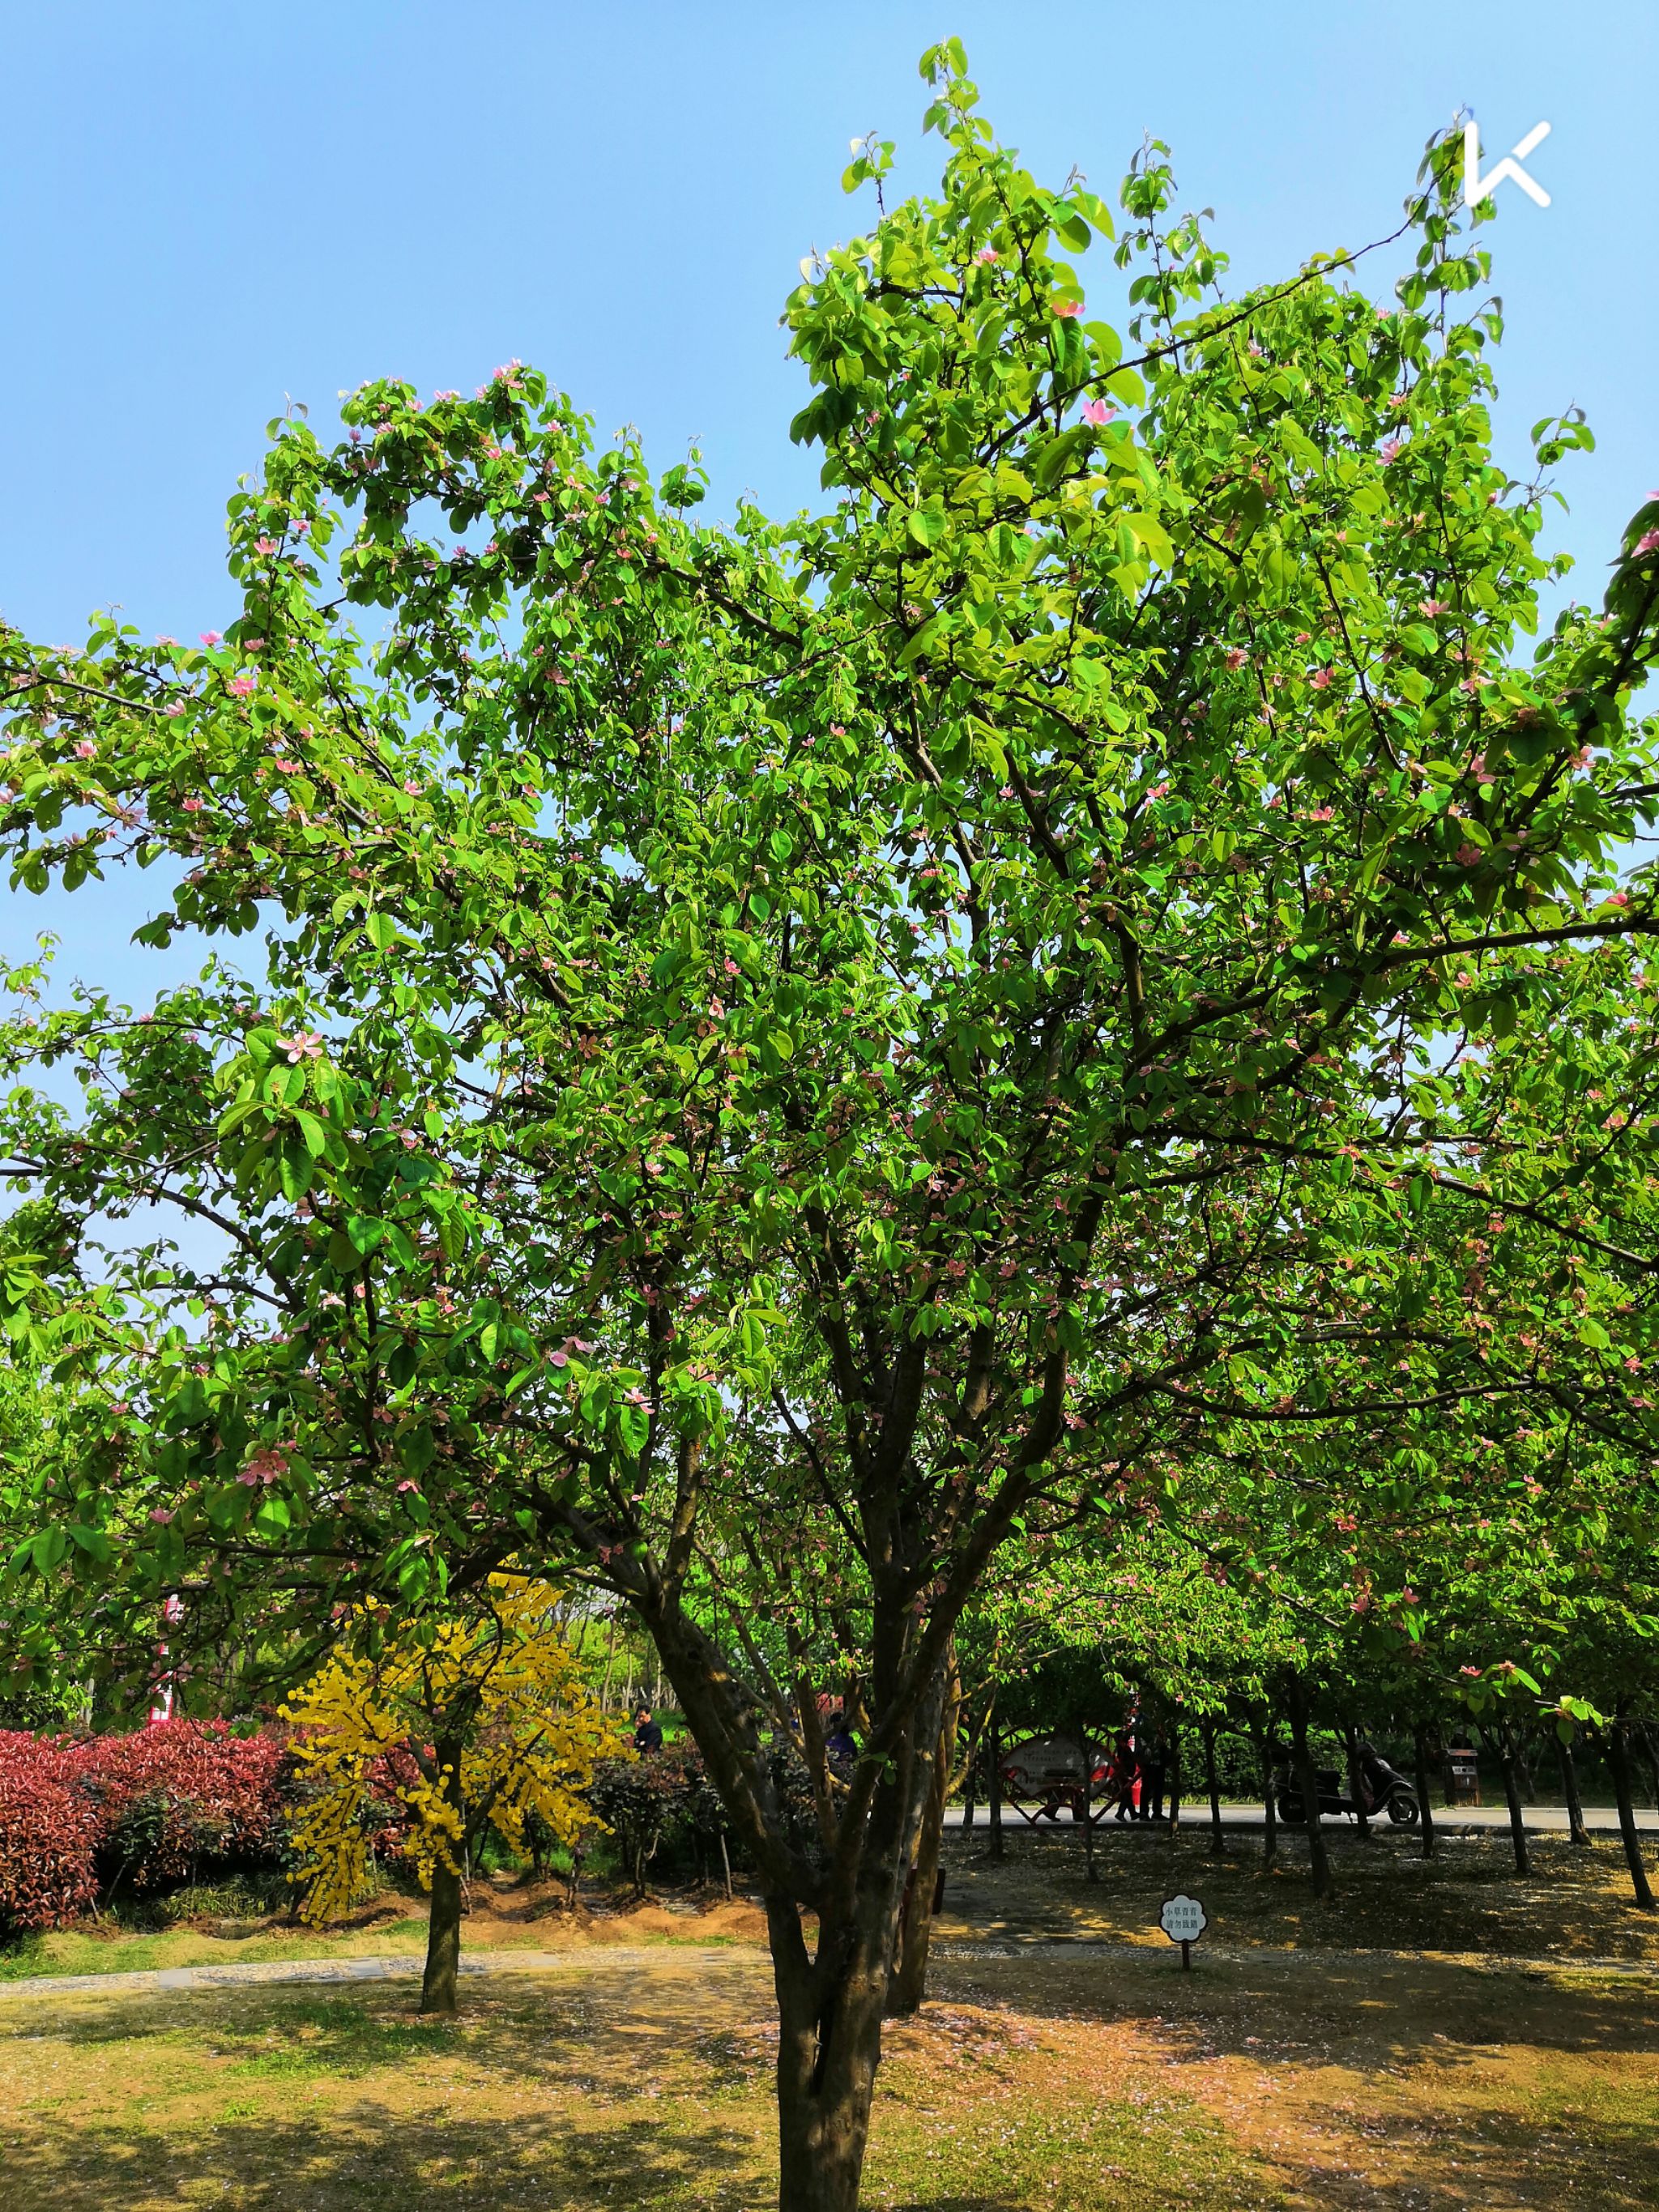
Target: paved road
point(1542, 1820)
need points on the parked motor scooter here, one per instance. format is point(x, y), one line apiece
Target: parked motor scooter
point(1385, 1787)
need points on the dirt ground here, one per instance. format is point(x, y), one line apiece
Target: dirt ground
point(1064, 2060)
point(1468, 1900)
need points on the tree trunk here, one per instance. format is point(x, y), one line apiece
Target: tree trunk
point(1174, 1779)
point(908, 1983)
point(1618, 1760)
point(1500, 1742)
point(1270, 1825)
point(993, 1785)
point(1357, 1781)
point(443, 1941)
point(1576, 1824)
point(1217, 1841)
point(1425, 1810)
point(829, 2048)
point(1523, 1770)
point(1091, 1873)
point(830, 2006)
point(1319, 1862)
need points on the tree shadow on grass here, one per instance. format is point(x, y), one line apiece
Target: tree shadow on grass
point(1417, 2085)
point(367, 2156)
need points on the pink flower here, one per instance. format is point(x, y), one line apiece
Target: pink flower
point(986, 253)
point(304, 1044)
point(1254, 351)
point(1649, 544)
point(211, 636)
point(1068, 310)
point(404, 1486)
point(1467, 856)
point(1433, 607)
point(285, 767)
point(412, 788)
point(1234, 656)
point(1619, 898)
point(86, 750)
point(1321, 679)
point(192, 806)
point(264, 544)
point(240, 686)
point(1096, 412)
point(161, 1518)
point(1392, 448)
point(176, 709)
point(1409, 1595)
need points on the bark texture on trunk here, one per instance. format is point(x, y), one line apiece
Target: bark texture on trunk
point(1618, 1760)
point(443, 1941)
point(1576, 1827)
point(1270, 1823)
point(1504, 1749)
point(829, 2048)
point(1425, 1810)
point(993, 1786)
point(908, 1985)
point(1319, 1859)
point(1217, 1841)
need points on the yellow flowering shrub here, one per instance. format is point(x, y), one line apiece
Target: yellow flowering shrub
point(477, 1721)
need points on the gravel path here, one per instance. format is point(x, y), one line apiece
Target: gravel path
point(396, 1967)
point(660, 1957)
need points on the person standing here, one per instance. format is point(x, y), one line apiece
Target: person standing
point(1124, 1771)
point(1154, 1770)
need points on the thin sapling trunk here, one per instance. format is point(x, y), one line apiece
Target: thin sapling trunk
point(1618, 1760)
point(1425, 1809)
point(1577, 1829)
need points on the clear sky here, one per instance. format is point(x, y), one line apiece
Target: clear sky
point(207, 207)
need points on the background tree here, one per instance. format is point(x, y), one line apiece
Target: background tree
point(473, 1723)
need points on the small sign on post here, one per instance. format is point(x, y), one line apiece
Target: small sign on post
point(1183, 1920)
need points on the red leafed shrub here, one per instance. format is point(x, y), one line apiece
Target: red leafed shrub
point(166, 1798)
point(48, 1830)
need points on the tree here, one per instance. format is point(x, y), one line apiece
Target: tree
point(787, 1052)
point(472, 1724)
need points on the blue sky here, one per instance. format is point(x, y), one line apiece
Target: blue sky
point(206, 208)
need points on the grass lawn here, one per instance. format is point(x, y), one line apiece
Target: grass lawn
point(1297, 2067)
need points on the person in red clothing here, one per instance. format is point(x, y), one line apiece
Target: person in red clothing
point(1126, 1770)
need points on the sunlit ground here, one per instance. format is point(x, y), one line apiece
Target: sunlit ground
point(1041, 2075)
